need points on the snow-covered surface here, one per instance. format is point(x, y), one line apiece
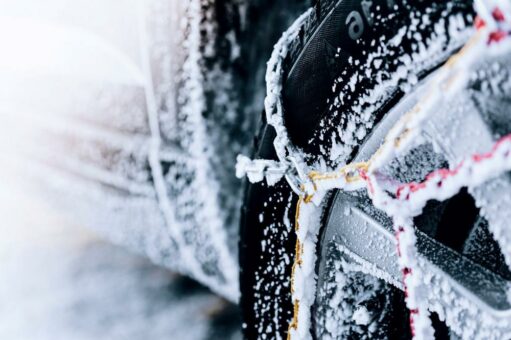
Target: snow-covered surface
point(60, 281)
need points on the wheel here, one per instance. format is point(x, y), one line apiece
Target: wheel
point(348, 66)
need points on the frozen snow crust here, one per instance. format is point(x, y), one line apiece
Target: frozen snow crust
point(426, 288)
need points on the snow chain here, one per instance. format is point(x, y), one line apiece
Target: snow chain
point(492, 27)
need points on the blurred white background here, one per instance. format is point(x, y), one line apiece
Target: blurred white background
point(57, 279)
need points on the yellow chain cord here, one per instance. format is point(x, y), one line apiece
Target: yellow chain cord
point(297, 262)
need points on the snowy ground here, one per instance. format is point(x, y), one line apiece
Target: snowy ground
point(59, 281)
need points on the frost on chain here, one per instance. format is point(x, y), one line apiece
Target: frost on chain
point(259, 169)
